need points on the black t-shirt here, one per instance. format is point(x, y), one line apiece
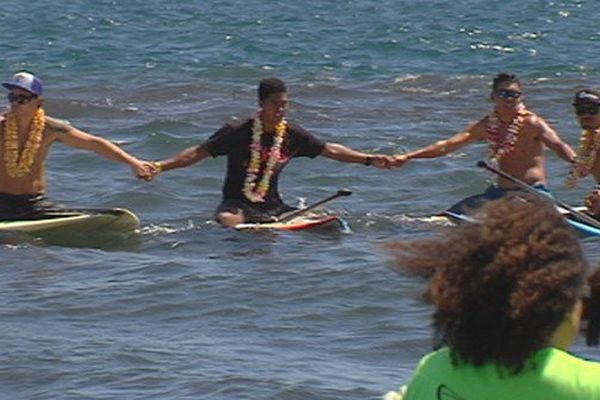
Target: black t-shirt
point(234, 142)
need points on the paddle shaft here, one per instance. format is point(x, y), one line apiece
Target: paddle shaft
point(581, 216)
point(340, 193)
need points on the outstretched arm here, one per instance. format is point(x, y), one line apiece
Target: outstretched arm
point(342, 153)
point(446, 146)
point(187, 157)
point(553, 141)
point(79, 139)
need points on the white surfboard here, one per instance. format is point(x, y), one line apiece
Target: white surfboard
point(297, 224)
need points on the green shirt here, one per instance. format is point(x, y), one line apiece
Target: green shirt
point(551, 374)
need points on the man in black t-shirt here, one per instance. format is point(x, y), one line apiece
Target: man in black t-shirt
point(257, 150)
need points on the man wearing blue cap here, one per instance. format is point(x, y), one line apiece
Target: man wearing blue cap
point(587, 162)
point(26, 135)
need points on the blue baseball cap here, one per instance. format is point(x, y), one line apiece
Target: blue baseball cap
point(26, 81)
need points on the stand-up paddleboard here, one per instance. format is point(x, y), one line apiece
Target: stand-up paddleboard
point(300, 223)
point(76, 220)
point(298, 220)
point(581, 227)
point(577, 217)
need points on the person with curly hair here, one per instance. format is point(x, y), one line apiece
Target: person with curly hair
point(507, 295)
point(591, 310)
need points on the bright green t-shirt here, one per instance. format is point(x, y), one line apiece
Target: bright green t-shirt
point(551, 374)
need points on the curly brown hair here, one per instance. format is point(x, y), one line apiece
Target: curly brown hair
point(591, 310)
point(500, 287)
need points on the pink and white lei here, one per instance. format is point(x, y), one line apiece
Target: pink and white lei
point(253, 190)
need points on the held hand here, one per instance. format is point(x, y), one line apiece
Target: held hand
point(582, 170)
point(399, 160)
point(145, 170)
point(381, 161)
point(592, 202)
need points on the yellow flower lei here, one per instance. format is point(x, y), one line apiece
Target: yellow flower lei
point(256, 192)
point(19, 165)
point(589, 145)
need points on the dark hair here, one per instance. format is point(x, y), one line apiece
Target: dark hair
point(269, 86)
point(591, 310)
point(504, 77)
point(502, 286)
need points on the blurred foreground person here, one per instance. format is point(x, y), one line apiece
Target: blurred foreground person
point(507, 295)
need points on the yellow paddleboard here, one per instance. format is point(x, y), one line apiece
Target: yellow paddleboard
point(78, 220)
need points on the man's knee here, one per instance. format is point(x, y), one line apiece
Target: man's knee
point(230, 219)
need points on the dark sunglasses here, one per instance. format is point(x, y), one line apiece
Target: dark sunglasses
point(588, 109)
point(20, 98)
point(508, 94)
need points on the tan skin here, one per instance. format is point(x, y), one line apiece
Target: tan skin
point(591, 122)
point(566, 333)
point(273, 110)
point(526, 162)
point(55, 130)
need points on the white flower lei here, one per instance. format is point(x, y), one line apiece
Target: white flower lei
point(256, 192)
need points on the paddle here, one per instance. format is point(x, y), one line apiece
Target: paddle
point(578, 214)
point(294, 214)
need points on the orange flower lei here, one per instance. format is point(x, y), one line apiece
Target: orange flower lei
point(589, 145)
point(501, 145)
point(19, 165)
point(256, 192)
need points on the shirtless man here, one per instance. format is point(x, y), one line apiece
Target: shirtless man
point(587, 109)
point(26, 135)
point(517, 138)
point(257, 150)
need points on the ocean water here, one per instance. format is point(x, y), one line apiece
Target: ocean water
point(187, 310)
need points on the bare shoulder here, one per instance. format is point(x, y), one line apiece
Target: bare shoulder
point(482, 123)
point(479, 128)
point(535, 119)
point(58, 126)
point(537, 123)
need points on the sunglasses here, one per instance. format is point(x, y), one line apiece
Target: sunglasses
point(588, 109)
point(20, 98)
point(508, 94)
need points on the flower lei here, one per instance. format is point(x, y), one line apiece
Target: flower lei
point(589, 146)
point(256, 192)
point(19, 165)
point(503, 144)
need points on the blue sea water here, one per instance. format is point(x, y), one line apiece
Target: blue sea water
point(187, 310)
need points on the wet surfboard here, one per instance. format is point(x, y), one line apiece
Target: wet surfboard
point(76, 220)
point(581, 227)
point(299, 223)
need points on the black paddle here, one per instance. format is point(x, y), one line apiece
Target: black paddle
point(578, 214)
point(294, 214)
